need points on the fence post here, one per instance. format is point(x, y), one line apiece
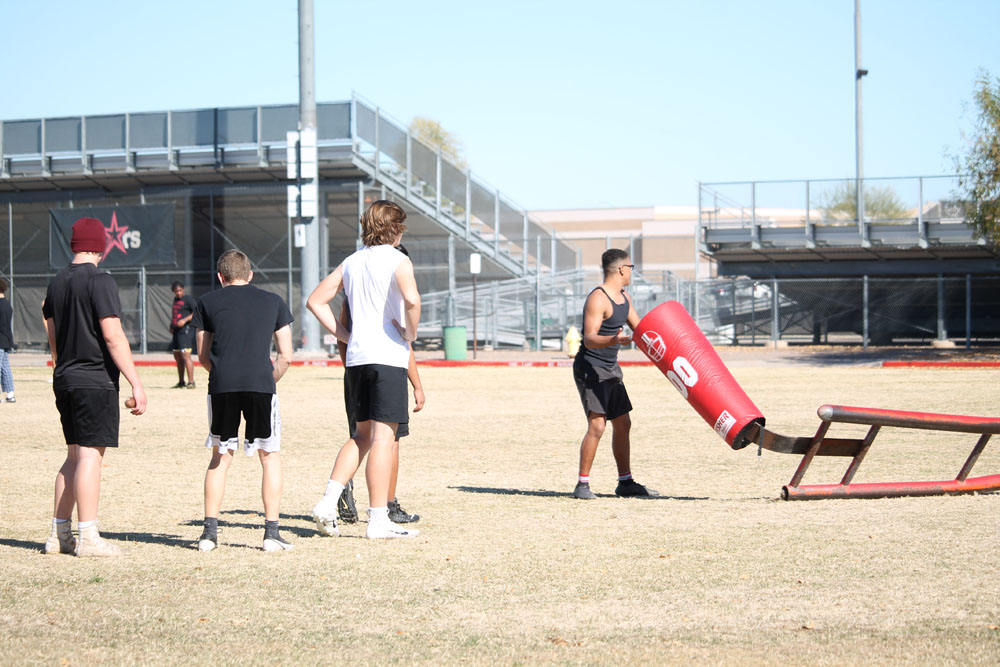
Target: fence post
point(538, 307)
point(968, 311)
point(942, 333)
point(775, 314)
point(864, 313)
point(142, 308)
point(734, 312)
point(496, 309)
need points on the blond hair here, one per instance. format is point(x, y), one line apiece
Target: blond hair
point(382, 223)
point(233, 265)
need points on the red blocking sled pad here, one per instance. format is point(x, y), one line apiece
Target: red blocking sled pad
point(676, 345)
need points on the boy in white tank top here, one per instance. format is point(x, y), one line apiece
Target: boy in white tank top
point(381, 291)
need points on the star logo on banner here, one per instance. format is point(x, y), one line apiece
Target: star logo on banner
point(114, 235)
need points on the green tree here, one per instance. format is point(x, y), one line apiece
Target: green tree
point(881, 203)
point(434, 135)
point(979, 168)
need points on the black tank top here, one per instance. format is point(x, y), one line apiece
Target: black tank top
point(608, 356)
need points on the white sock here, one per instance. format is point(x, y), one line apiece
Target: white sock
point(87, 524)
point(10, 394)
point(378, 514)
point(583, 479)
point(56, 521)
point(624, 478)
point(333, 489)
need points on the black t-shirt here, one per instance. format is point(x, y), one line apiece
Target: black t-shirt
point(77, 299)
point(242, 320)
point(183, 306)
point(6, 319)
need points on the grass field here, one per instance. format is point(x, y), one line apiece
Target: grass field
point(508, 568)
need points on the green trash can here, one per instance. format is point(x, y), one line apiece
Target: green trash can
point(455, 343)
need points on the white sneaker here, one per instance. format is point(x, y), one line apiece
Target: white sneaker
point(387, 529)
point(325, 517)
point(277, 544)
point(92, 544)
point(61, 540)
point(206, 544)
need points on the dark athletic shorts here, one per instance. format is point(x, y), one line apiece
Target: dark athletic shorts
point(601, 389)
point(183, 339)
point(89, 416)
point(402, 430)
point(261, 413)
point(377, 392)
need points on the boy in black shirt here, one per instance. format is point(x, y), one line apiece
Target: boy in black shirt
point(82, 316)
point(235, 326)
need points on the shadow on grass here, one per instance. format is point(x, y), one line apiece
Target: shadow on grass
point(285, 528)
point(22, 544)
point(152, 538)
point(559, 494)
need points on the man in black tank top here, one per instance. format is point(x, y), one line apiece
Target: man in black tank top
point(598, 376)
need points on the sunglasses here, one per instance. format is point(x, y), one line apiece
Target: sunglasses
point(631, 266)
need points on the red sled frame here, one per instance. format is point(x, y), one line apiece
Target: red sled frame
point(857, 448)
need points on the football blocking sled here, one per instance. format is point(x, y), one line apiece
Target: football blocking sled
point(675, 344)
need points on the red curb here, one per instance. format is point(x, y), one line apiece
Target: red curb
point(941, 364)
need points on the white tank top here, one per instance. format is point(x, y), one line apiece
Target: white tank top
point(375, 301)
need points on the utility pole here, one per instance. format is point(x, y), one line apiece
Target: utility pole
point(859, 73)
point(308, 176)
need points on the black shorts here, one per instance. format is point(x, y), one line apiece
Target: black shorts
point(378, 392)
point(89, 416)
point(402, 430)
point(183, 339)
point(261, 413)
point(601, 389)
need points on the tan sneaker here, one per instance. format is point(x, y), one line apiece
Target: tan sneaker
point(61, 540)
point(92, 544)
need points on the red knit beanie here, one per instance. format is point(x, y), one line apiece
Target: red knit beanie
point(88, 235)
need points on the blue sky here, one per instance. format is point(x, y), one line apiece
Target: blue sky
point(559, 104)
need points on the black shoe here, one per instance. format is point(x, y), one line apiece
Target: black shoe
point(398, 515)
point(346, 509)
point(179, 385)
point(632, 489)
point(208, 542)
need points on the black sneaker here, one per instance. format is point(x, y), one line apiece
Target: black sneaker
point(398, 515)
point(346, 509)
point(207, 542)
point(632, 489)
point(583, 492)
point(179, 385)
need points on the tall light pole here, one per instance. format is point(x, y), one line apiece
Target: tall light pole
point(859, 73)
point(308, 175)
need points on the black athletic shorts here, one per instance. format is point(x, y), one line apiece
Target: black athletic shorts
point(601, 389)
point(183, 339)
point(261, 413)
point(89, 416)
point(402, 430)
point(377, 392)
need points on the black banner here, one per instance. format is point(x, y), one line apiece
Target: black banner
point(136, 235)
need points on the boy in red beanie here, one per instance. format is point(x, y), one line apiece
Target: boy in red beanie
point(83, 318)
